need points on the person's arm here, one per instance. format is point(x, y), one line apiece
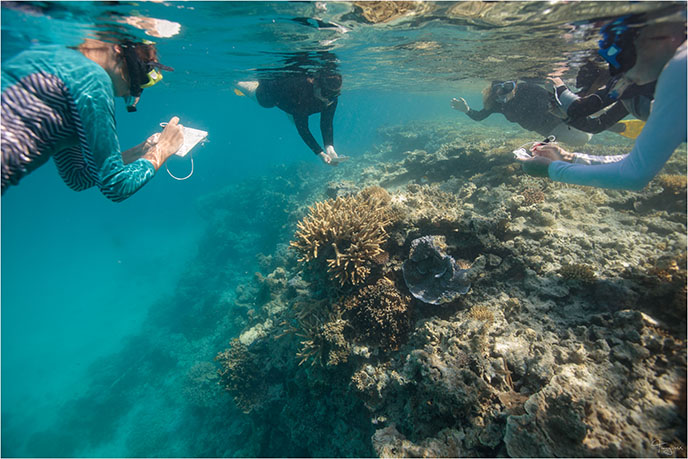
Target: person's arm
point(327, 123)
point(461, 105)
point(301, 122)
point(595, 125)
point(664, 131)
point(134, 153)
point(479, 115)
point(73, 169)
point(98, 136)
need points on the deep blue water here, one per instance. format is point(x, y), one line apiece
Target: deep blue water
point(86, 282)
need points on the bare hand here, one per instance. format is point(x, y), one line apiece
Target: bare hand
point(325, 157)
point(460, 104)
point(170, 140)
point(172, 136)
point(152, 140)
point(551, 151)
point(137, 152)
point(555, 82)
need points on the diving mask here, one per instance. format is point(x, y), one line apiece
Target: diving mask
point(617, 46)
point(503, 90)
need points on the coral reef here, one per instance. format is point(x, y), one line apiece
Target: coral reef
point(240, 374)
point(346, 234)
point(532, 196)
point(578, 271)
point(201, 387)
point(431, 275)
point(379, 315)
point(570, 342)
point(673, 183)
point(323, 342)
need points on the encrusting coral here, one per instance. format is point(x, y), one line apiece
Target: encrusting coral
point(346, 234)
point(675, 184)
point(532, 196)
point(379, 315)
point(577, 271)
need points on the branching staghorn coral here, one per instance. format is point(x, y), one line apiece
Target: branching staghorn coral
point(346, 234)
point(323, 340)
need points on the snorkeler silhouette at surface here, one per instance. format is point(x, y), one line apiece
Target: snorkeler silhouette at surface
point(526, 104)
point(60, 102)
point(307, 84)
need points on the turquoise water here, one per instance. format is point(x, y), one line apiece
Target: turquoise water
point(106, 307)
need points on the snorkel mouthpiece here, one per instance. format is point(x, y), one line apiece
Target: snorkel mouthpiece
point(130, 102)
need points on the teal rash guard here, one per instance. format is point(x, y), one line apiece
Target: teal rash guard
point(664, 131)
point(58, 103)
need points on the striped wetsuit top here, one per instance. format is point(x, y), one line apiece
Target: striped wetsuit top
point(58, 103)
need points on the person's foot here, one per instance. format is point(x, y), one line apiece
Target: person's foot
point(248, 88)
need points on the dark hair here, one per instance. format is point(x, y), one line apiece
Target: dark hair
point(140, 58)
point(589, 73)
point(330, 84)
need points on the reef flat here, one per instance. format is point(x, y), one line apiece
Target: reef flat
point(571, 340)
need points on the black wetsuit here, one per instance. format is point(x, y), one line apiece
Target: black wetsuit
point(296, 96)
point(634, 100)
point(529, 108)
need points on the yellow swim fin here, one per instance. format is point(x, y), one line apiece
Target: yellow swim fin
point(238, 93)
point(633, 128)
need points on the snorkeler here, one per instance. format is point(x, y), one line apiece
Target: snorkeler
point(617, 97)
point(524, 103)
point(301, 93)
point(59, 102)
point(643, 52)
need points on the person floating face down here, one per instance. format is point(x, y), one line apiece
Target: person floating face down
point(526, 104)
point(60, 102)
point(612, 96)
point(643, 48)
point(300, 94)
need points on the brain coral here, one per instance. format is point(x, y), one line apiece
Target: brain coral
point(346, 234)
point(379, 315)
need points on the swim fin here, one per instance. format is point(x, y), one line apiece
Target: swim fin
point(633, 128)
point(246, 88)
